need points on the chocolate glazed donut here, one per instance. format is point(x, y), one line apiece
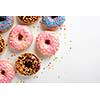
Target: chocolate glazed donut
point(27, 64)
point(28, 19)
point(2, 44)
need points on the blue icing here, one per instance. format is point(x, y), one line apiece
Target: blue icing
point(5, 23)
point(61, 20)
point(50, 22)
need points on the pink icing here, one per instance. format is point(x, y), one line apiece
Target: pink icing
point(26, 41)
point(9, 72)
point(47, 49)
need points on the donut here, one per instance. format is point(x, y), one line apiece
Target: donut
point(28, 19)
point(2, 44)
point(52, 22)
point(27, 64)
point(6, 23)
point(6, 72)
point(20, 38)
point(47, 43)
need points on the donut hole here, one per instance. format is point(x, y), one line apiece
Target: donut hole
point(28, 64)
point(20, 37)
point(47, 42)
point(53, 17)
point(2, 72)
point(2, 18)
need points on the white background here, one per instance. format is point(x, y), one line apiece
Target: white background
point(85, 60)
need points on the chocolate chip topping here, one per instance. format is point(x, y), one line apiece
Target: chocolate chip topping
point(53, 17)
point(28, 19)
point(47, 42)
point(27, 64)
point(2, 72)
point(20, 37)
point(1, 49)
point(2, 44)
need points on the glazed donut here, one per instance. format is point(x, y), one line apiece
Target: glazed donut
point(52, 22)
point(20, 38)
point(28, 19)
point(6, 23)
point(27, 64)
point(2, 44)
point(6, 72)
point(47, 43)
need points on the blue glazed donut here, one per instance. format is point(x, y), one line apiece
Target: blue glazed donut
point(52, 22)
point(5, 23)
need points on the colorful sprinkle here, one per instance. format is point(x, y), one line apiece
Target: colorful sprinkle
point(58, 76)
point(53, 22)
point(6, 23)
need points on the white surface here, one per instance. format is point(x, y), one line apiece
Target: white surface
point(85, 61)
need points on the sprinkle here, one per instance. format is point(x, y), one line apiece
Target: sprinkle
point(40, 22)
point(13, 54)
point(60, 28)
point(49, 67)
point(64, 28)
point(58, 76)
point(44, 68)
point(61, 57)
point(55, 58)
point(37, 26)
point(34, 77)
point(41, 72)
point(49, 62)
point(20, 81)
point(8, 58)
point(70, 41)
point(41, 59)
point(33, 26)
point(70, 48)
point(52, 68)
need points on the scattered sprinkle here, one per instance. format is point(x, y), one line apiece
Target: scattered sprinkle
point(33, 26)
point(60, 28)
point(70, 41)
point(41, 72)
point(37, 26)
point(58, 76)
point(70, 48)
point(12, 55)
point(20, 81)
point(64, 28)
point(35, 77)
point(44, 68)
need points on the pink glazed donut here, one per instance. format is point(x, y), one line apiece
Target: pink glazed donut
point(20, 38)
point(47, 43)
point(6, 72)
